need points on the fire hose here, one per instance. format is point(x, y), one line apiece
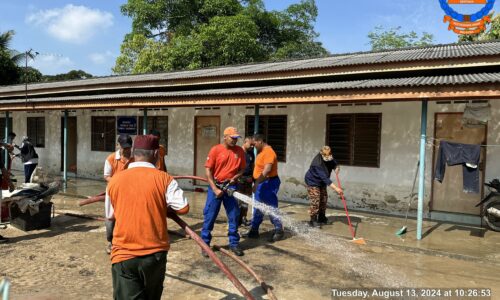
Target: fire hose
point(264, 286)
point(100, 197)
point(172, 215)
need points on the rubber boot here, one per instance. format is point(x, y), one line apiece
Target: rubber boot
point(314, 222)
point(322, 219)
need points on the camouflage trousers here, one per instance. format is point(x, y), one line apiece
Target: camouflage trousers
point(318, 198)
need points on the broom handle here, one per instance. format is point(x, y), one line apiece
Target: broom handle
point(345, 207)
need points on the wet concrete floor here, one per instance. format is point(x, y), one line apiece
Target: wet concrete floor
point(67, 261)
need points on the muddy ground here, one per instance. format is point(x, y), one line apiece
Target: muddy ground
point(68, 261)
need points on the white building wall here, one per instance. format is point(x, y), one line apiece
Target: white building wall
point(384, 189)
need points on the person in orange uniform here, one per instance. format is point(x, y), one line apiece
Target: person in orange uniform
point(137, 199)
point(162, 152)
point(115, 163)
point(225, 163)
point(266, 186)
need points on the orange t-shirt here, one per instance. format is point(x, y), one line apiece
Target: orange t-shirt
point(140, 210)
point(225, 162)
point(266, 156)
point(160, 164)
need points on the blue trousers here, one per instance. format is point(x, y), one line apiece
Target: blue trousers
point(267, 193)
point(210, 212)
point(28, 170)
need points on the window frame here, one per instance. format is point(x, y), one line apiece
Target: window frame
point(153, 124)
point(264, 125)
point(37, 134)
point(106, 145)
point(352, 138)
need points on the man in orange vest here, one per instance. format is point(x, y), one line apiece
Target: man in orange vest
point(160, 164)
point(137, 199)
point(225, 164)
point(115, 163)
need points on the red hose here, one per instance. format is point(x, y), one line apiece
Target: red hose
point(102, 196)
point(345, 207)
point(172, 215)
point(264, 285)
point(96, 198)
point(190, 177)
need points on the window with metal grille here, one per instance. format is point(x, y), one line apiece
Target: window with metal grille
point(274, 130)
point(36, 131)
point(2, 128)
point(103, 134)
point(159, 123)
point(355, 138)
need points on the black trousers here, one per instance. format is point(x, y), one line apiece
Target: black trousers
point(139, 278)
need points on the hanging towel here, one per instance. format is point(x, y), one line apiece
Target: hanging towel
point(460, 154)
point(476, 115)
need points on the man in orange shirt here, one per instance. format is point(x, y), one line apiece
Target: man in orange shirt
point(137, 199)
point(162, 151)
point(266, 186)
point(225, 163)
point(115, 163)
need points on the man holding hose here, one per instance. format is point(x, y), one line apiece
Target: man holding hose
point(225, 164)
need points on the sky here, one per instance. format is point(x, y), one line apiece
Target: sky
point(86, 35)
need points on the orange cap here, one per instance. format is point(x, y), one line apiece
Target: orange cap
point(232, 132)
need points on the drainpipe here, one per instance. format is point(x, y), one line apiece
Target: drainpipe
point(256, 126)
point(145, 122)
point(65, 153)
point(421, 179)
point(7, 129)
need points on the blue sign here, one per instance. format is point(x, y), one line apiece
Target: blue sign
point(127, 125)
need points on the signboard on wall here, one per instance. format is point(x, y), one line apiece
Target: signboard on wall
point(126, 125)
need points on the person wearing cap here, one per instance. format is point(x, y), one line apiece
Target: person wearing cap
point(225, 164)
point(265, 188)
point(138, 199)
point(162, 152)
point(117, 162)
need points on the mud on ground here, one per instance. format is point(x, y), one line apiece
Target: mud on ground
point(68, 261)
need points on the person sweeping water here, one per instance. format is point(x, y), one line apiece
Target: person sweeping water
point(317, 180)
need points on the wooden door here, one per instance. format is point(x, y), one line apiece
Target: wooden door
point(72, 144)
point(448, 196)
point(207, 135)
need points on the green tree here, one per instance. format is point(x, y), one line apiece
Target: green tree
point(393, 38)
point(71, 75)
point(9, 72)
point(30, 75)
point(492, 32)
point(190, 34)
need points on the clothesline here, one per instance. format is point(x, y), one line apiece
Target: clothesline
point(438, 140)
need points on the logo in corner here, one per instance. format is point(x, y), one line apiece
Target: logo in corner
point(467, 23)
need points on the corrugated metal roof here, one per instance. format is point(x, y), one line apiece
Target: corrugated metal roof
point(313, 87)
point(437, 52)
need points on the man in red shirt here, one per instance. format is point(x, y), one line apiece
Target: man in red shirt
point(137, 199)
point(225, 163)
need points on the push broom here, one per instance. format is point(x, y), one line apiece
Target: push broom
point(359, 241)
point(404, 228)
